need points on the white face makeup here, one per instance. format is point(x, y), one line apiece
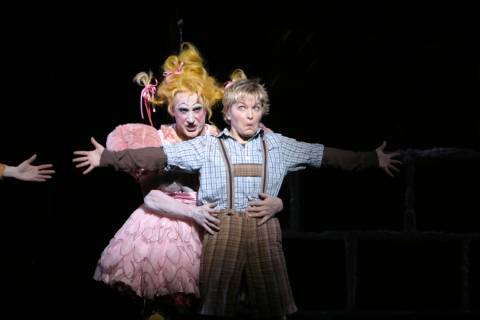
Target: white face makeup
point(244, 116)
point(189, 115)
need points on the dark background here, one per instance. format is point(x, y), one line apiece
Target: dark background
point(345, 74)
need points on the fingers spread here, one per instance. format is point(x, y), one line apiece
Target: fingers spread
point(88, 170)
point(81, 152)
point(80, 159)
point(94, 142)
point(46, 171)
point(45, 166)
point(394, 168)
point(31, 159)
point(83, 164)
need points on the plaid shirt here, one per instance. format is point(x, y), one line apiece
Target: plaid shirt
point(203, 154)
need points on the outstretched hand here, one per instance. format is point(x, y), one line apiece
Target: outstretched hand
point(27, 172)
point(386, 161)
point(265, 208)
point(89, 158)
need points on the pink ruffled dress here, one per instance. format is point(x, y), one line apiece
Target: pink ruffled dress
point(151, 254)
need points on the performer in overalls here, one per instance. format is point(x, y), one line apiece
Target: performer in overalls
point(235, 166)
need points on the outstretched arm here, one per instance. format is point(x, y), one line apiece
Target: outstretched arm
point(265, 208)
point(150, 158)
point(360, 161)
point(157, 200)
point(27, 172)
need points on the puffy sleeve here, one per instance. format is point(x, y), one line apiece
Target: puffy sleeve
point(136, 136)
point(133, 136)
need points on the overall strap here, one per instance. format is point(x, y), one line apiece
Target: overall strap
point(235, 170)
point(228, 168)
point(265, 165)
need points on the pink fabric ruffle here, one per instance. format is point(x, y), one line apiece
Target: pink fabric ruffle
point(151, 254)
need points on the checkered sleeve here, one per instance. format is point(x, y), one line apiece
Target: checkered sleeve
point(297, 154)
point(188, 155)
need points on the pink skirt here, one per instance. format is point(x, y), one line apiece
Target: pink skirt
point(154, 255)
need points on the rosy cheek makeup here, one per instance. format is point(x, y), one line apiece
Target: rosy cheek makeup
point(200, 118)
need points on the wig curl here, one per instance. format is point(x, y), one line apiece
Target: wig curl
point(184, 72)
